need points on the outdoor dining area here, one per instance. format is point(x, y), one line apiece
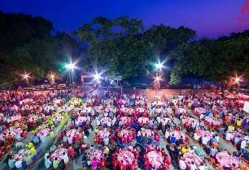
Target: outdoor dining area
point(124, 131)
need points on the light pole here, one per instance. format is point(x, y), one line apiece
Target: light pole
point(159, 67)
point(26, 77)
point(157, 83)
point(71, 68)
point(52, 78)
point(237, 81)
point(97, 78)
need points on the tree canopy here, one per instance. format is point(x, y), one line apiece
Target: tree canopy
point(119, 46)
point(26, 43)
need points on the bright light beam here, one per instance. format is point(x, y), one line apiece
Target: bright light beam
point(26, 76)
point(159, 66)
point(237, 79)
point(70, 66)
point(158, 78)
point(97, 77)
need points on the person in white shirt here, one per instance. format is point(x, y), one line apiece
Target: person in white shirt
point(18, 164)
point(228, 136)
point(98, 122)
point(65, 157)
point(204, 140)
point(109, 124)
point(106, 141)
point(167, 134)
point(70, 140)
point(203, 167)
point(196, 137)
point(217, 138)
point(243, 144)
point(182, 164)
point(193, 166)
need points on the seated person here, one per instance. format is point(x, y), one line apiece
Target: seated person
point(29, 145)
point(36, 139)
point(173, 139)
point(18, 137)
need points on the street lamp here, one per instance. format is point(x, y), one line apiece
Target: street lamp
point(157, 80)
point(237, 80)
point(159, 66)
point(70, 67)
point(26, 77)
point(97, 77)
point(52, 78)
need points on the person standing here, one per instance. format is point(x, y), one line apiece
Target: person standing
point(47, 161)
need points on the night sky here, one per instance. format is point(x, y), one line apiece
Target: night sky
point(210, 18)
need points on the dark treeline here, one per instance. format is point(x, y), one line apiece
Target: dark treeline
point(119, 45)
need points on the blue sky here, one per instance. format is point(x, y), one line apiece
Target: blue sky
point(210, 18)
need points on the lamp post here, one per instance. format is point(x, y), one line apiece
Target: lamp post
point(157, 83)
point(52, 78)
point(237, 81)
point(26, 77)
point(97, 78)
point(71, 68)
point(159, 67)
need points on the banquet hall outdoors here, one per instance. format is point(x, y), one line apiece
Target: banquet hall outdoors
point(177, 129)
point(124, 85)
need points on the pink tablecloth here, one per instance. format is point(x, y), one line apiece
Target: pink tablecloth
point(147, 132)
point(126, 110)
point(43, 132)
point(200, 110)
point(2, 136)
point(72, 132)
point(125, 120)
point(105, 120)
point(14, 132)
point(124, 132)
point(58, 116)
point(178, 134)
point(139, 102)
point(95, 153)
point(205, 133)
point(121, 102)
point(126, 156)
point(226, 160)
point(181, 110)
point(165, 120)
point(21, 153)
point(140, 110)
point(104, 133)
point(32, 118)
point(213, 120)
point(190, 120)
point(82, 119)
point(189, 157)
point(155, 159)
point(143, 120)
point(58, 153)
point(14, 118)
point(238, 135)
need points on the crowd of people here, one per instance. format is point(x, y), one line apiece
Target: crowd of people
point(188, 131)
point(25, 123)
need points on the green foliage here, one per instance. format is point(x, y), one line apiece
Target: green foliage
point(26, 44)
point(216, 60)
point(121, 46)
point(118, 46)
